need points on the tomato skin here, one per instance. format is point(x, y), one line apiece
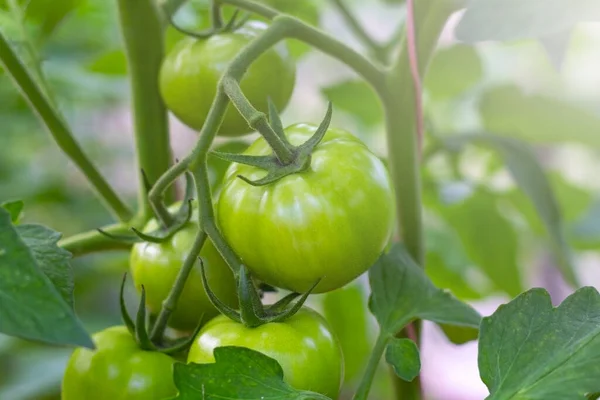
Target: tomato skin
point(304, 346)
point(118, 370)
point(191, 71)
point(331, 221)
point(156, 265)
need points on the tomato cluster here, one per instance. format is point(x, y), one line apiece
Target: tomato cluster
point(327, 223)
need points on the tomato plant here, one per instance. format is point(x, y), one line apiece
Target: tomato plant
point(191, 71)
point(330, 221)
point(118, 369)
point(409, 166)
point(304, 346)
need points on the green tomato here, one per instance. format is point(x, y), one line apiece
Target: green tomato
point(156, 265)
point(191, 71)
point(118, 370)
point(303, 345)
point(331, 221)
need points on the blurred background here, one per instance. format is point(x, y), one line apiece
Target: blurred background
point(485, 241)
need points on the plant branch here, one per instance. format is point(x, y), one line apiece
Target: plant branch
point(170, 303)
point(36, 62)
point(58, 128)
point(377, 49)
point(364, 387)
point(93, 241)
point(401, 103)
point(256, 119)
point(142, 34)
point(320, 40)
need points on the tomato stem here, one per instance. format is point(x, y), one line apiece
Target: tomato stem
point(400, 105)
point(256, 119)
point(169, 304)
point(379, 51)
point(364, 387)
point(142, 33)
point(58, 128)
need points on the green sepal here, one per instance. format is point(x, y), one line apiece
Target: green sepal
point(251, 308)
point(141, 333)
point(287, 313)
point(282, 303)
point(219, 305)
point(262, 162)
point(124, 313)
point(275, 121)
point(275, 169)
point(308, 147)
point(120, 238)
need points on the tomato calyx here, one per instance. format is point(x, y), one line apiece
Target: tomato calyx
point(140, 328)
point(166, 231)
point(252, 312)
point(275, 168)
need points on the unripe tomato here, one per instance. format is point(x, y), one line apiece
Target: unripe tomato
point(331, 221)
point(303, 345)
point(156, 265)
point(191, 71)
point(118, 370)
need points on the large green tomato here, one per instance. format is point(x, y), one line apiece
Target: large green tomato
point(304, 346)
point(191, 71)
point(118, 370)
point(156, 265)
point(331, 221)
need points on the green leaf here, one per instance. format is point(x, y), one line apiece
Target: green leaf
point(447, 264)
point(453, 71)
point(519, 19)
point(112, 62)
point(530, 350)
point(358, 99)
point(403, 356)
point(506, 111)
point(530, 177)
point(238, 373)
point(496, 251)
point(402, 292)
point(30, 306)
point(52, 260)
point(14, 208)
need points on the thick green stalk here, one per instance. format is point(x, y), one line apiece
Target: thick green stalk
point(399, 102)
point(364, 387)
point(93, 241)
point(59, 130)
point(143, 39)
